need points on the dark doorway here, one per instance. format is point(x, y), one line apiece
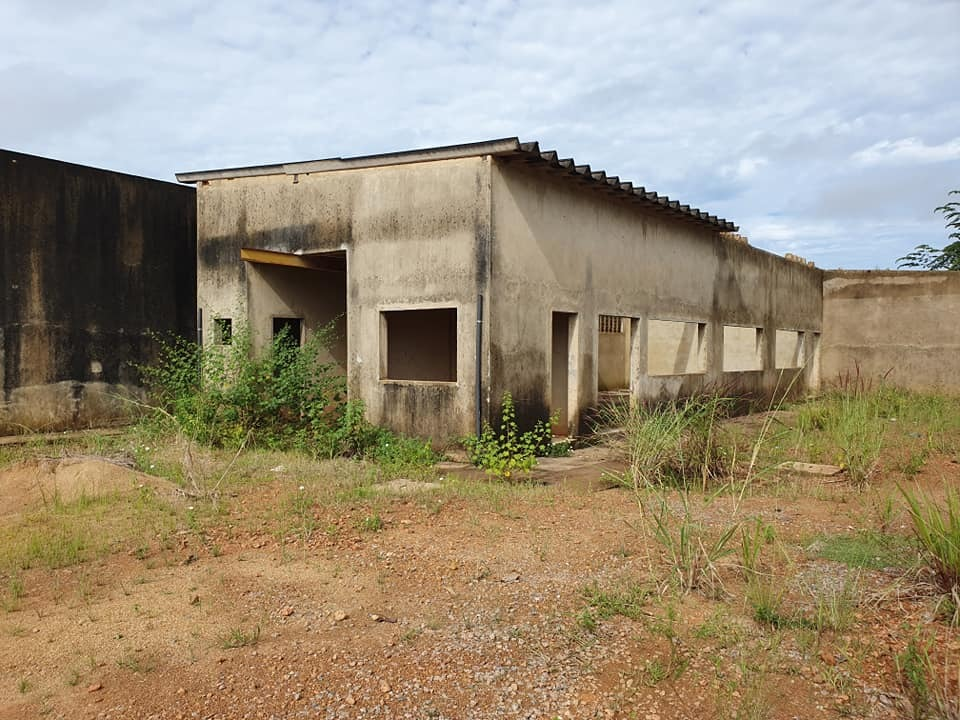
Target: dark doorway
point(562, 400)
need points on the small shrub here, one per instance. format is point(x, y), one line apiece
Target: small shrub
point(507, 451)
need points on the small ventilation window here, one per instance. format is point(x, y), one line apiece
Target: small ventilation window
point(289, 329)
point(223, 331)
point(611, 324)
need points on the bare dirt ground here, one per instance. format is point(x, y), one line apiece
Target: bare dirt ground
point(468, 600)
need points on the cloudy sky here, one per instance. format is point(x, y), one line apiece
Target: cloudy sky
point(828, 129)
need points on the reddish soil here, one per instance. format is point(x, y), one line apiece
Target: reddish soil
point(465, 608)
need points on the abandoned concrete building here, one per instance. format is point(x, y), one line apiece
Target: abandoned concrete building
point(451, 275)
point(90, 260)
point(456, 273)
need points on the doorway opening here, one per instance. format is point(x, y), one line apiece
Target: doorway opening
point(563, 376)
point(298, 296)
point(613, 354)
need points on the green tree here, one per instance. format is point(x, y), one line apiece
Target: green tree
point(925, 257)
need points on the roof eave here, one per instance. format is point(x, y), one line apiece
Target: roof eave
point(446, 152)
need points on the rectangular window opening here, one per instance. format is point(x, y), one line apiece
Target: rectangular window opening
point(222, 331)
point(676, 347)
point(290, 329)
point(613, 353)
point(742, 348)
point(419, 345)
point(789, 349)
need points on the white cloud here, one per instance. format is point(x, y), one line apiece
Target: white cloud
point(744, 169)
point(748, 110)
point(906, 151)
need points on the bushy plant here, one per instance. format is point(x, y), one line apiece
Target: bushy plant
point(356, 437)
point(288, 396)
point(506, 451)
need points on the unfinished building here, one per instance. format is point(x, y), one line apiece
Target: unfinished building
point(90, 262)
point(456, 273)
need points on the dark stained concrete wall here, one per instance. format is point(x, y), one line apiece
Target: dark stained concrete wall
point(90, 260)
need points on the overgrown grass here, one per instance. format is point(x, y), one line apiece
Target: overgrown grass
point(65, 534)
point(855, 426)
point(679, 444)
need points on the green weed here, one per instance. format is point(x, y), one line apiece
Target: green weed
point(628, 601)
point(132, 663)
point(238, 637)
point(370, 523)
point(505, 452)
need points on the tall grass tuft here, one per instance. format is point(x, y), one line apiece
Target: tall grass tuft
point(677, 443)
point(931, 688)
point(937, 529)
point(854, 425)
point(692, 553)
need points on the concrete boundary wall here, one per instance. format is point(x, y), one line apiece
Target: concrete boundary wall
point(90, 261)
point(901, 325)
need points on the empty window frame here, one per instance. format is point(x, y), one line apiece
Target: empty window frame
point(789, 349)
point(222, 331)
point(613, 353)
point(676, 348)
point(419, 345)
point(742, 348)
point(290, 329)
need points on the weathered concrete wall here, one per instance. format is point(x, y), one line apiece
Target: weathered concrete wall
point(89, 261)
point(562, 247)
point(416, 236)
point(902, 325)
